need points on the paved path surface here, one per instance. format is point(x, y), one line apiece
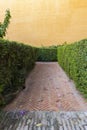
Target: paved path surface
point(23, 120)
point(48, 88)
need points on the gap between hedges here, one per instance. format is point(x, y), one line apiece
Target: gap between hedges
point(47, 54)
point(17, 60)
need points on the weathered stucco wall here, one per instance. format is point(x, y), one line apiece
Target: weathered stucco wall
point(46, 22)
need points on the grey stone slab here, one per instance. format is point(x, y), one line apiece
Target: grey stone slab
point(40, 120)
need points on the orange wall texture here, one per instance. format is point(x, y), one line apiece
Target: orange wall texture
point(46, 22)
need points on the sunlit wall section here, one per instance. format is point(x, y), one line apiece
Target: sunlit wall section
point(46, 22)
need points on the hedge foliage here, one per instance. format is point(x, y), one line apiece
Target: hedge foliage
point(16, 60)
point(73, 59)
point(47, 54)
point(5, 24)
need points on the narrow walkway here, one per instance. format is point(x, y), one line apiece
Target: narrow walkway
point(48, 89)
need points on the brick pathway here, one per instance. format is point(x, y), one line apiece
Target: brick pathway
point(39, 120)
point(48, 88)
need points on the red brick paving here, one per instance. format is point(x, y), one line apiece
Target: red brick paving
point(48, 88)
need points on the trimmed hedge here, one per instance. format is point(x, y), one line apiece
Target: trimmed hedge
point(16, 61)
point(73, 59)
point(47, 54)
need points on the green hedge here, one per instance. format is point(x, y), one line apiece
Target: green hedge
point(47, 54)
point(16, 61)
point(73, 59)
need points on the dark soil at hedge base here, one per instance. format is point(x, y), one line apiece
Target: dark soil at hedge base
point(16, 61)
point(73, 59)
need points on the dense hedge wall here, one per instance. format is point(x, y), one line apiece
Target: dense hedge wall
point(47, 54)
point(16, 60)
point(73, 59)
